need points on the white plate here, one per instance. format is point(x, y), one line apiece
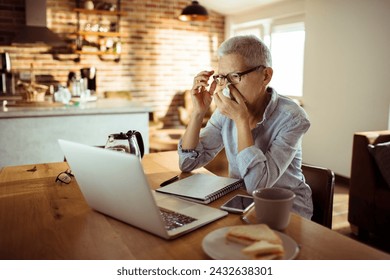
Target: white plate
point(217, 247)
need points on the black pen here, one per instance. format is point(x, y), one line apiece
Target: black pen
point(167, 182)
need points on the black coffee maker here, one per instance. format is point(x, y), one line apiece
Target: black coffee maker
point(89, 75)
point(7, 83)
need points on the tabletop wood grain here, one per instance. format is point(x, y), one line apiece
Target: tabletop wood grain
point(42, 219)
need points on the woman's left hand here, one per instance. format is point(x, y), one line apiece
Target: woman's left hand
point(233, 109)
point(237, 111)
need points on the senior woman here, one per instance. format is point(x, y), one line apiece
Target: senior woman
point(260, 130)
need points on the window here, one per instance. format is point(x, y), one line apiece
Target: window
point(256, 30)
point(287, 49)
point(286, 41)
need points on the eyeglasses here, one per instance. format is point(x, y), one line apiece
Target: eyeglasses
point(234, 77)
point(65, 177)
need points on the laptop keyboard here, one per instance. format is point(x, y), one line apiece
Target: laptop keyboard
point(174, 220)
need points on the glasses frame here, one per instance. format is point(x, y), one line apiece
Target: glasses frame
point(240, 74)
point(65, 174)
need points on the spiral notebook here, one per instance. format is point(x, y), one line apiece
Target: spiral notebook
point(202, 188)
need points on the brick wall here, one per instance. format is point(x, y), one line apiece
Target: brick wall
point(160, 55)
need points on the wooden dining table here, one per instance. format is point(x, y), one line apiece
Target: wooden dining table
point(47, 220)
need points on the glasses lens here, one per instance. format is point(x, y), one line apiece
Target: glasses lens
point(219, 79)
point(234, 78)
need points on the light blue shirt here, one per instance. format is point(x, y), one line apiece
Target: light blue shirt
point(273, 161)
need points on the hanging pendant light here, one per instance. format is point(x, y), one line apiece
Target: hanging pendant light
point(194, 12)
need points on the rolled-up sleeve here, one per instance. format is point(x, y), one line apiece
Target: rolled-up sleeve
point(210, 143)
point(261, 169)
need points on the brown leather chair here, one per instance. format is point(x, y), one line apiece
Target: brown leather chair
point(321, 181)
point(369, 195)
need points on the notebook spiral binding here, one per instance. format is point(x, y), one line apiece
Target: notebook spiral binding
point(215, 195)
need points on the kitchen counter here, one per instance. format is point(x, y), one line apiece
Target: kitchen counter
point(30, 134)
point(102, 106)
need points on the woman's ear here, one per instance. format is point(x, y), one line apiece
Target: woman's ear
point(268, 72)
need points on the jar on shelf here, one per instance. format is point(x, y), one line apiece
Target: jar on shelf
point(88, 5)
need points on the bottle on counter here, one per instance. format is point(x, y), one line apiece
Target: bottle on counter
point(62, 95)
point(76, 84)
point(70, 82)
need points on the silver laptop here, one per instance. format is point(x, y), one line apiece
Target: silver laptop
point(114, 183)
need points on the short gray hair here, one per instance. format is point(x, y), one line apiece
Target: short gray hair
point(250, 47)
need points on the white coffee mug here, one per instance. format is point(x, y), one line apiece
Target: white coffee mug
point(273, 206)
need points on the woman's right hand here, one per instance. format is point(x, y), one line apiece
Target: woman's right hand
point(201, 97)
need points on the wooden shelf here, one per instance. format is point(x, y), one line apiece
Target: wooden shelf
point(100, 12)
point(98, 39)
point(102, 34)
point(96, 53)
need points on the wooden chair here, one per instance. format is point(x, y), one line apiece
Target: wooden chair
point(321, 180)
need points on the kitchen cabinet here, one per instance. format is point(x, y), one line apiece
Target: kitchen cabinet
point(98, 30)
point(30, 134)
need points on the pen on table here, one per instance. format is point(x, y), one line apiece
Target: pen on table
point(171, 180)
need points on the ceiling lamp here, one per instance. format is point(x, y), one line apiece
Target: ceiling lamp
point(194, 12)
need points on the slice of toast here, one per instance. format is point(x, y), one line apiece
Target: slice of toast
point(248, 234)
point(263, 250)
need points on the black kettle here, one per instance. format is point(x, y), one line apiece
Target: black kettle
point(129, 142)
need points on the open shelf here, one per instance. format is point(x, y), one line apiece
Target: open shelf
point(107, 43)
point(97, 52)
point(101, 34)
point(100, 12)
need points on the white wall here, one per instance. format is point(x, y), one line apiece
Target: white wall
point(286, 8)
point(347, 72)
point(346, 76)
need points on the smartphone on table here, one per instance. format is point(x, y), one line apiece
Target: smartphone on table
point(238, 204)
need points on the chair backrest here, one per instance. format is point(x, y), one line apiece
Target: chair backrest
point(321, 181)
